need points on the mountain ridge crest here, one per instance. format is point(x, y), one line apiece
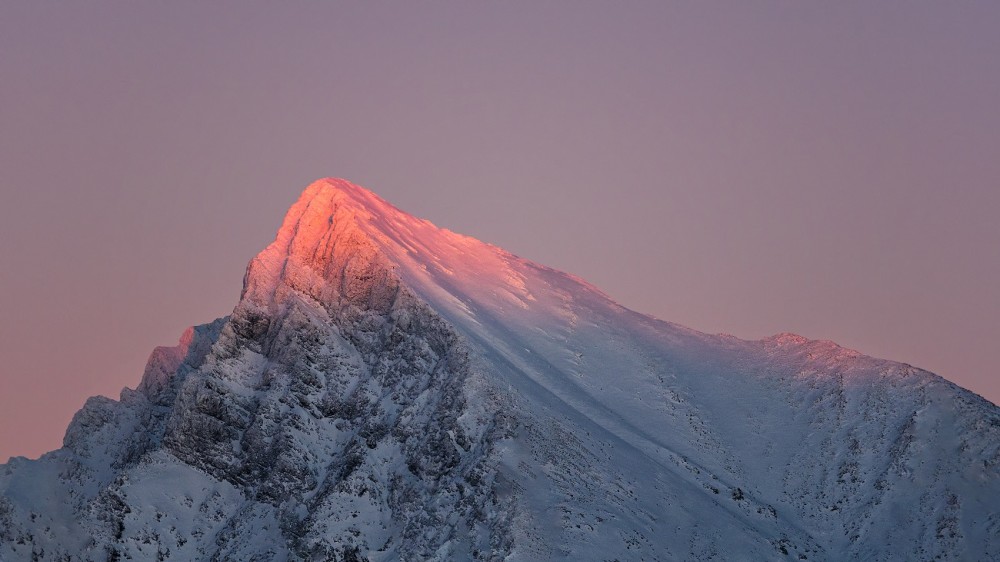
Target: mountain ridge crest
point(389, 390)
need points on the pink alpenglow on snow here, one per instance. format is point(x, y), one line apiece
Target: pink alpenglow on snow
point(385, 388)
point(735, 167)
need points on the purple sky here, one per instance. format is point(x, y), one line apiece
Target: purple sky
point(831, 169)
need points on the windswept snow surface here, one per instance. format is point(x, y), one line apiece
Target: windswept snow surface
point(389, 390)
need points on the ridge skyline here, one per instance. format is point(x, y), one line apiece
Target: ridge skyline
point(368, 201)
point(378, 214)
point(387, 389)
point(750, 172)
point(334, 207)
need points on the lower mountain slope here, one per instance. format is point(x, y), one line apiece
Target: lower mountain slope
point(389, 390)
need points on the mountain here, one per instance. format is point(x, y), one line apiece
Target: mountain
point(389, 390)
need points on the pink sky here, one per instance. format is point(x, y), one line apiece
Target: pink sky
point(825, 169)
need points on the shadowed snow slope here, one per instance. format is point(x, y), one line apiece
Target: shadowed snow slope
point(389, 390)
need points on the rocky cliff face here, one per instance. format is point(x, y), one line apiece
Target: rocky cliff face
point(387, 390)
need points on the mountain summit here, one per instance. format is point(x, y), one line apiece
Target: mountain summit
point(389, 390)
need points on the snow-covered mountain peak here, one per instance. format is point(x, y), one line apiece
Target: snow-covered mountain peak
point(340, 240)
point(331, 200)
point(389, 390)
point(326, 231)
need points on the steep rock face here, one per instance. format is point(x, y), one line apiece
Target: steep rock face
point(326, 410)
point(388, 390)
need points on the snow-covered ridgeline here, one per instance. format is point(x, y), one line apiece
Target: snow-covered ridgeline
point(389, 390)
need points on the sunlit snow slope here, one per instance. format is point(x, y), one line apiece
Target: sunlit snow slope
point(389, 390)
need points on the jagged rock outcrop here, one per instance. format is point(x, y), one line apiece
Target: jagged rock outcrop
point(388, 390)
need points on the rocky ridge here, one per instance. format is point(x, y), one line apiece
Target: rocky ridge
point(389, 390)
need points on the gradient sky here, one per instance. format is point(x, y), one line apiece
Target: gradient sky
point(831, 169)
